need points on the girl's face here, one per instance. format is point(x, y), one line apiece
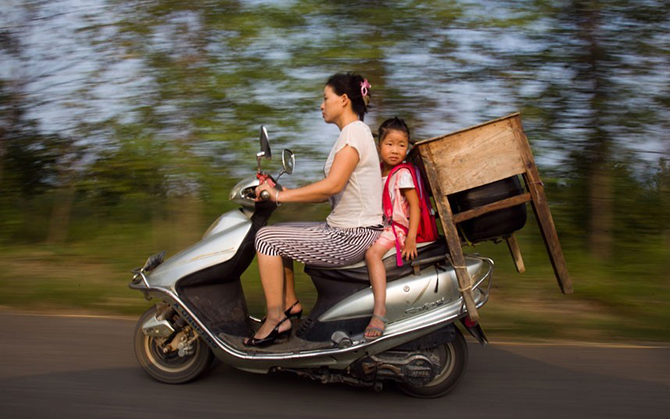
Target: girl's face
point(393, 148)
point(333, 105)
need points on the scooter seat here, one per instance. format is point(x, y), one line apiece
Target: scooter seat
point(358, 272)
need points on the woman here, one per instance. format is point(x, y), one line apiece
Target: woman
point(352, 183)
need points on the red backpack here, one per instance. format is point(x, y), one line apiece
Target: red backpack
point(427, 231)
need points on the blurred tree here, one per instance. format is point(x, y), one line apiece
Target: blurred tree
point(197, 78)
point(28, 157)
point(661, 183)
point(123, 116)
point(596, 79)
point(31, 161)
point(593, 79)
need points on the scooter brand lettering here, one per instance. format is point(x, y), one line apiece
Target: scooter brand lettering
point(428, 306)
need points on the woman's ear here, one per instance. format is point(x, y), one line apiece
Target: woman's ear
point(345, 99)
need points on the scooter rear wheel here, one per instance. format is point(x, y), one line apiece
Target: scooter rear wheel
point(169, 367)
point(454, 360)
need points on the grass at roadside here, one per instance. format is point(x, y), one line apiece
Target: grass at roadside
point(609, 303)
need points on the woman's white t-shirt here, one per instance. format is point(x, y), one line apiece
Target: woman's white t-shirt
point(359, 204)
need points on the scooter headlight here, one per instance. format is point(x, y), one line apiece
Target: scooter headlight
point(243, 193)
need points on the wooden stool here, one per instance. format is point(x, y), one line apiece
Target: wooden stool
point(477, 156)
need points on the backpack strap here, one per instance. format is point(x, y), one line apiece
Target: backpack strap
point(387, 205)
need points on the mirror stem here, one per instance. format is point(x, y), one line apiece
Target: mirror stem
point(279, 175)
point(259, 156)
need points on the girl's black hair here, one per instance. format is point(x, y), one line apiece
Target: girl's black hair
point(350, 83)
point(396, 124)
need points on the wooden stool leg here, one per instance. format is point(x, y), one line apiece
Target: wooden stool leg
point(451, 235)
point(550, 237)
point(542, 213)
point(457, 258)
point(515, 251)
point(464, 282)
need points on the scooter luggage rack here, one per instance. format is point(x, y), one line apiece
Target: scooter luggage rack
point(263, 359)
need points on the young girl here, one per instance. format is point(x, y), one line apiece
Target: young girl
point(394, 142)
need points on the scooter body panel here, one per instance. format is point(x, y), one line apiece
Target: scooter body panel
point(217, 247)
point(406, 297)
point(330, 355)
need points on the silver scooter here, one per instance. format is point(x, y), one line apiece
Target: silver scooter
point(203, 314)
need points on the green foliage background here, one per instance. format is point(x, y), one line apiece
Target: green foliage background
point(122, 133)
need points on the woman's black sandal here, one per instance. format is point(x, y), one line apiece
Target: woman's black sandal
point(269, 339)
point(296, 315)
point(288, 314)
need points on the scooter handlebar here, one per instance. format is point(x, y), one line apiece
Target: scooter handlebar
point(265, 195)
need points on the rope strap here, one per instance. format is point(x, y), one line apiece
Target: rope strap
point(451, 262)
point(468, 288)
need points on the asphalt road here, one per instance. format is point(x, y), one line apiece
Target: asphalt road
point(74, 367)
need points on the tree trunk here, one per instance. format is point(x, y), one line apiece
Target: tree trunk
point(3, 152)
point(59, 223)
point(601, 219)
point(187, 216)
point(61, 212)
point(600, 186)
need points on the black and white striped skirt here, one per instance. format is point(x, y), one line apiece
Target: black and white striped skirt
point(316, 244)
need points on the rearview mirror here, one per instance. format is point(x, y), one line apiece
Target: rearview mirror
point(265, 148)
point(288, 161)
point(265, 143)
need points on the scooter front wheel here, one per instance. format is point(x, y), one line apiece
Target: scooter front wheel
point(168, 366)
point(453, 361)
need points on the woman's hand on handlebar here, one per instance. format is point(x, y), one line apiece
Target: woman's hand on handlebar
point(271, 191)
point(264, 187)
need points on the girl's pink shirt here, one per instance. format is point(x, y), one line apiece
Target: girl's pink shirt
point(402, 179)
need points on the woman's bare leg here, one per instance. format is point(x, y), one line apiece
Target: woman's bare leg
point(289, 286)
point(377, 272)
point(271, 269)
